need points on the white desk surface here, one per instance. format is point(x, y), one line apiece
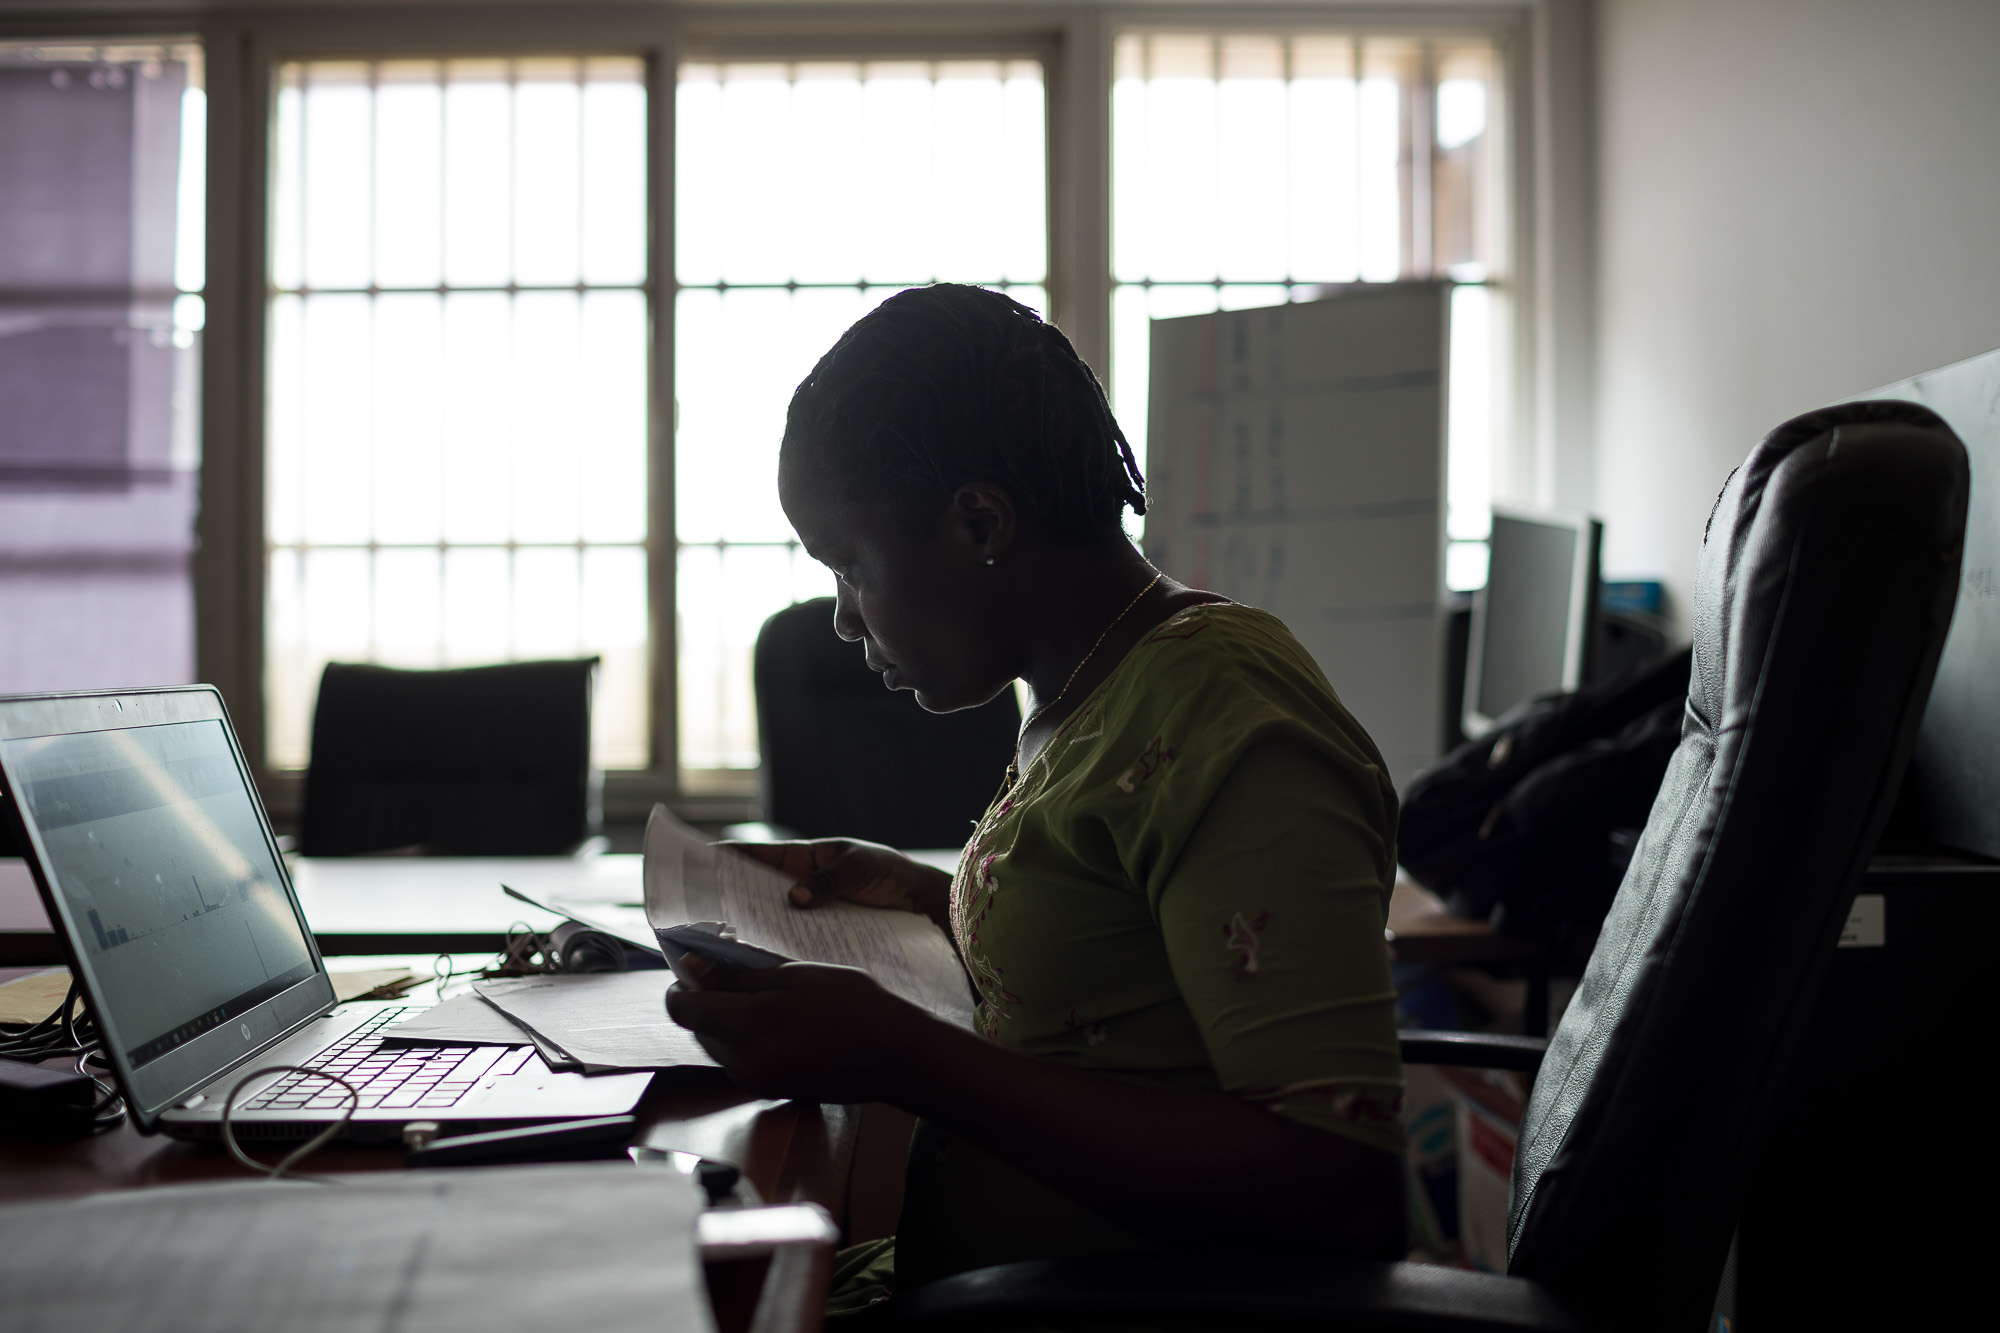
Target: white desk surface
point(358, 895)
point(450, 898)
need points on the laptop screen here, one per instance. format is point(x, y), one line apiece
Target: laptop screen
point(178, 910)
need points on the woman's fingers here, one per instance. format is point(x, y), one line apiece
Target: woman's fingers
point(818, 889)
point(817, 865)
point(794, 858)
point(830, 869)
point(710, 1012)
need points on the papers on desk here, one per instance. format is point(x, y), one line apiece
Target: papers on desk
point(590, 1023)
point(600, 1020)
point(453, 1251)
point(469, 1021)
point(689, 879)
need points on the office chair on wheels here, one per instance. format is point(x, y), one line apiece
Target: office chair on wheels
point(476, 761)
point(844, 757)
point(1825, 586)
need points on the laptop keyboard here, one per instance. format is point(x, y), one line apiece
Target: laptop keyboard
point(392, 1077)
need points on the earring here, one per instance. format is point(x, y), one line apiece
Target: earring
point(989, 559)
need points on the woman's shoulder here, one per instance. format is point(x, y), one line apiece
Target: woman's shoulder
point(1221, 670)
point(1203, 689)
point(1225, 640)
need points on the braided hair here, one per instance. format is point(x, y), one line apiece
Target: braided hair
point(943, 385)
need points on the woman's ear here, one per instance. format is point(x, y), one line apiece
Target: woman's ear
point(983, 521)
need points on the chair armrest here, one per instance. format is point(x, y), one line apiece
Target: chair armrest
point(1474, 1050)
point(1229, 1291)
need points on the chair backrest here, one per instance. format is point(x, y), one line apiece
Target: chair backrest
point(844, 757)
point(479, 761)
point(1825, 586)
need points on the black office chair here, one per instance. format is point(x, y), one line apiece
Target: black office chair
point(479, 761)
point(1826, 583)
point(844, 757)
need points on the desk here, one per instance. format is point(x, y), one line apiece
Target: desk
point(791, 1153)
point(1421, 930)
point(397, 904)
point(382, 904)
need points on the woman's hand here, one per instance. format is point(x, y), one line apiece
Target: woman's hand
point(857, 872)
point(804, 1030)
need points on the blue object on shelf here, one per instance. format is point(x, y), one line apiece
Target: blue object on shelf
point(1646, 597)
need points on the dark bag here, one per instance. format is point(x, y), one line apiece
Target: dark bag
point(1521, 826)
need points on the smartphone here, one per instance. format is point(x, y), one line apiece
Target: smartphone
point(708, 940)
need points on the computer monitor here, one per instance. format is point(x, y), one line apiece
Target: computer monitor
point(1533, 624)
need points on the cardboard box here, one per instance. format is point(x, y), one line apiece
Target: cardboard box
point(1490, 1105)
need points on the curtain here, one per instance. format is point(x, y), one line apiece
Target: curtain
point(98, 453)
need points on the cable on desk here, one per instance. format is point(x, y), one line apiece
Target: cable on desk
point(528, 953)
point(304, 1150)
point(61, 1035)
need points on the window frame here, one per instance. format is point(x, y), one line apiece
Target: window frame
point(1543, 54)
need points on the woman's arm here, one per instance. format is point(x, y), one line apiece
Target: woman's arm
point(1184, 1165)
point(1178, 1164)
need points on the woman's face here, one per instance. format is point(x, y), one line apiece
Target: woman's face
point(921, 599)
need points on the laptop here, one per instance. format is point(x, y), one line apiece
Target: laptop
point(157, 865)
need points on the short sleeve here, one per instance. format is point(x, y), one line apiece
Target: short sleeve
point(1272, 915)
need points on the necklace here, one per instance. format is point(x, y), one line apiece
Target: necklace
point(1014, 768)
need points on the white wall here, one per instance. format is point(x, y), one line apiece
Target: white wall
point(1798, 200)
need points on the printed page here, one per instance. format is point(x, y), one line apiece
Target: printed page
point(464, 1020)
point(465, 1250)
point(603, 1020)
point(689, 879)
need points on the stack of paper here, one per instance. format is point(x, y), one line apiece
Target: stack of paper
point(600, 1020)
point(591, 1023)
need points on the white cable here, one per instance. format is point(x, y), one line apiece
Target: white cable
point(311, 1145)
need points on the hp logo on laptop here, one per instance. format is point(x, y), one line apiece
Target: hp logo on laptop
point(246, 1030)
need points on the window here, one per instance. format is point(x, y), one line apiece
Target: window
point(457, 377)
point(101, 181)
point(526, 367)
point(1251, 169)
point(808, 193)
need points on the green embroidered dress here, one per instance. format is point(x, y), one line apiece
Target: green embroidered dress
point(1189, 885)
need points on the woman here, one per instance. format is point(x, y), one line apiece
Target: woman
point(1173, 910)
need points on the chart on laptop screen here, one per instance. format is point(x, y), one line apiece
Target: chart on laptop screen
point(157, 852)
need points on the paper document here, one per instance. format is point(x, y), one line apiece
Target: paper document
point(621, 921)
point(467, 1250)
point(690, 879)
point(468, 1020)
point(464, 1020)
point(602, 1020)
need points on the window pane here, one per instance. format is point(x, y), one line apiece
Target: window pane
point(409, 174)
point(725, 596)
point(478, 173)
point(810, 192)
point(458, 377)
point(548, 171)
point(614, 626)
point(408, 425)
point(408, 607)
point(741, 353)
point(613, 198)
point(338, 128)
